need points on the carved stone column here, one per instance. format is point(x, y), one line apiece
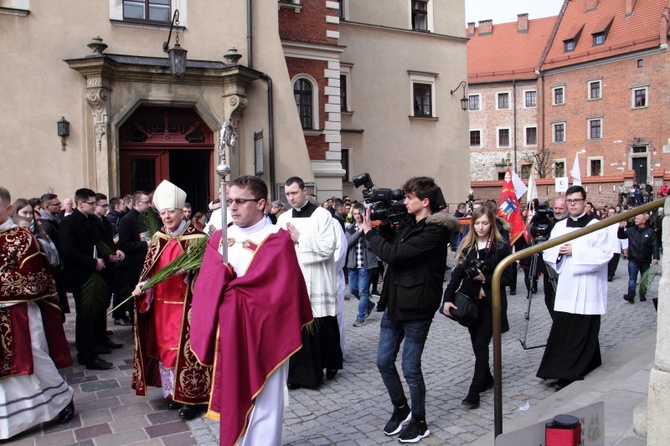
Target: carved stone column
point(97, 96)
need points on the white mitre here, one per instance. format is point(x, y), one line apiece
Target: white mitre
point(169, 196)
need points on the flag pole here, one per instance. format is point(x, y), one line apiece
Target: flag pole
point(228, 139)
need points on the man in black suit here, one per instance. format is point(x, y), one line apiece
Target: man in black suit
point(83, 258)
point(135, 246)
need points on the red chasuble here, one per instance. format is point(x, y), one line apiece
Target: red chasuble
point(25, 276)
point(247, 326)
point(163, 333)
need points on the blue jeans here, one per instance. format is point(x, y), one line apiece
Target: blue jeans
point(635, 268)
point(391, 335)
point(359, 283)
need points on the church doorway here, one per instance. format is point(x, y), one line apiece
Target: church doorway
point(162, 143)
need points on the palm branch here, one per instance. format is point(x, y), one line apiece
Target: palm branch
point(647, 278)
point(189, 259)
point(149, 223)
point(93, 294)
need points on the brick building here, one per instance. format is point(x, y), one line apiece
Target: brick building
point(601, 83)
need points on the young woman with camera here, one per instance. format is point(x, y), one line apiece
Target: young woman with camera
point(478, 255)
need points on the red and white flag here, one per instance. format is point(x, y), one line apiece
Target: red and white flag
point(509, 208)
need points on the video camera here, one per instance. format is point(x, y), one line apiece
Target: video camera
point(542, 223)
point(384, 203)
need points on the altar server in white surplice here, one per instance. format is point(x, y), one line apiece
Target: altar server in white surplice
point(573, 349)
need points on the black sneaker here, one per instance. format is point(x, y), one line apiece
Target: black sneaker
point(371, 306)
point(414, 432)
point(401, 415)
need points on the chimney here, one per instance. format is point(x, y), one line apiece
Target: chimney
point(471, 29)
point(485, 27)
point(522, 23)
point(630, 5)
point(591, 4)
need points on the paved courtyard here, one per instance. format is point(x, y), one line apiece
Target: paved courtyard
point(352, 408)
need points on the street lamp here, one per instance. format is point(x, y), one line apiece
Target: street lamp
point(176, 54)
point(464, 99)
point(63, 131)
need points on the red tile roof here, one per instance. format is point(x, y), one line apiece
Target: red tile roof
point(637, 31)
point(506, 54)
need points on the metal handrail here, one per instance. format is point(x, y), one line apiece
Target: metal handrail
point(495, 294)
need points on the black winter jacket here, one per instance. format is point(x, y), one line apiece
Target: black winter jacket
point(642, 244)
point(416, 256)
point(459, 280)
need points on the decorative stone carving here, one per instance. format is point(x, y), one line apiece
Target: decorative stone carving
point(97, 99)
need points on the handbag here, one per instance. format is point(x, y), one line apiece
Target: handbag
point(466, 312)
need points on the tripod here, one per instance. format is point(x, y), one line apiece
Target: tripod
point(552, 280)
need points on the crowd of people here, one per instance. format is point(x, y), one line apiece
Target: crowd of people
point(286, 330)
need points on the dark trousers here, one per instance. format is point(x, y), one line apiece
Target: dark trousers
point(480, 336)
point(90, 324)
point(612, 265)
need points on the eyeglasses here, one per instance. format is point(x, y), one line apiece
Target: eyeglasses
point(92, 203)
point(574, 201)
point(145, 202)
point(54, 204)
point(103, 205)
point(240, 201)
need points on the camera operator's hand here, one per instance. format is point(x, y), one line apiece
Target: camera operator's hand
point(366, 224)
point(479, 276)
point(446, 309)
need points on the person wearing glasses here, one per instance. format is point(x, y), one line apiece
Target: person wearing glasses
point(248, 315)
point(82, 258)
point(573, 349)
point(163, 357)
point(315, 237)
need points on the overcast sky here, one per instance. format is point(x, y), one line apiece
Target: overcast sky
point(504, 11)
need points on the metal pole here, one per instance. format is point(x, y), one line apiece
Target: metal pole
point(226, 139)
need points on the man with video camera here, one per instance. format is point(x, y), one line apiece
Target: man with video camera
point(416, 256)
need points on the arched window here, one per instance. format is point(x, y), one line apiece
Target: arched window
point(302, 91)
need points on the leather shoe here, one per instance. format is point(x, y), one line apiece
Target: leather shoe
point(98, 364)
point(292, 386)
point(123, 322)
point(512, 292)
point(330, 373)
point(188, 412)
point(173, 405)
point(629, 297)
point(111, 344)
point(67, 413)
point(643, 298)
point(471, 401)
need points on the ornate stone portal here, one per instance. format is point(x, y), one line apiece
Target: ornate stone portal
point(138, 80)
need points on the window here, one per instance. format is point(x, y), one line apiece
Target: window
point(475, 138)
point(344, 105)
point(345, 165)
point(302, 91)
point(531, 136)
point(503, 100)
point(598, 39)
point(570, 45)
point(341, 14)
point(558, 132)
point(594, 90)
point(595, 167)
point(640, 97)
point(503, 138)
point(558, 96)
point(422, 91)
point(531, 98)
point(595, 130)
point(419, 15)
point(559, 168)
point(640, 63)
point(474, 102)
point(147, 10)
point(423, 100)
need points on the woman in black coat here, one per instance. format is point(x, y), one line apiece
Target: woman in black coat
point(483, 242)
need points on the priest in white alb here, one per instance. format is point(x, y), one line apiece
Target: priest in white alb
point(573, 349)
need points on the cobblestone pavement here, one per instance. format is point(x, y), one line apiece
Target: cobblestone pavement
point(352, 408)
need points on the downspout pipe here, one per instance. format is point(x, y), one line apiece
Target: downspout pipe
point(271, 136)
point(250, 35)
point(515, 130)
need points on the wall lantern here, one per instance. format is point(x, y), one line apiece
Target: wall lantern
point(176, 54)
point(63, 131)
point(464, 99)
